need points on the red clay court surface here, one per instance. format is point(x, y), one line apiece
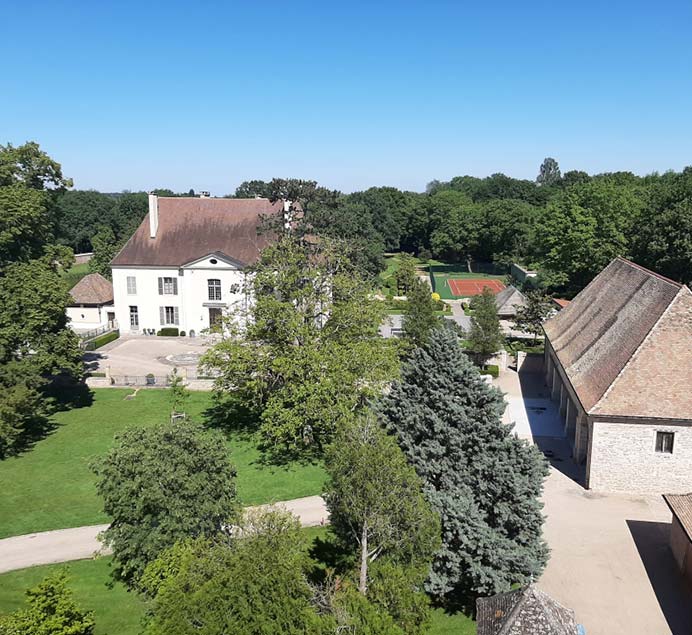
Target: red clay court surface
point(467, 287)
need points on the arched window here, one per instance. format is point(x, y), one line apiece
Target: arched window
point(214, 287)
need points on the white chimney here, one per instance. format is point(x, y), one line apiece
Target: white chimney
point(153, 215)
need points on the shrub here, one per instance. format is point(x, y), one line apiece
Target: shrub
point(168, 331)
point(101, 340)
point(183, 333)
point(98, 374)
point(492, 369)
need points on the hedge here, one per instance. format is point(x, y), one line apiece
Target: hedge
point(491, 369)
point(101, 340)
point(169, 331)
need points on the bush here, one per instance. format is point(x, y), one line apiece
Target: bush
point(101, 340)
point(183, 333)
point(98, 374)
point(168, 331)
point(492, 369)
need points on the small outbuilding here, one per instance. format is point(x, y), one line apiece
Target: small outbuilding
point(508, 301)
point(681, 531)
point(526, 611)
point(92, 304)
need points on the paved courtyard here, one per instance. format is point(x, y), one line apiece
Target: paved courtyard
point(610, 559)
point(140, 355)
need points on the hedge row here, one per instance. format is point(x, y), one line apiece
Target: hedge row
point(101, 340)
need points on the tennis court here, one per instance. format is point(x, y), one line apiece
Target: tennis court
point(467, 287)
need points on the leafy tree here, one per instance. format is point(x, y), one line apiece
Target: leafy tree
point(506, 230)
point(25, 224)
point(310, 355)
point(584, 228)
point(574, 177)
point(51, 610)
point(179, 394)
point(483, 481)
point(31, 167)
point(79, 215)
point(549, 172)
point(253, 585)
point(405, 273)
point(160, 485)
point(130, 210)
point(663, 241)
point(485, 337)
point(252, 189)
point(105, 248)
point(419, 318)
point(375, 501)
point(530, 317)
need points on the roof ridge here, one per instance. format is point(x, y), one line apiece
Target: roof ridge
point(635, 355)
point(649, 271)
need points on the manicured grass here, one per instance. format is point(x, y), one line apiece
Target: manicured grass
point(51, 486)
point(76, 273)
point(116, 611)
point(451, 624)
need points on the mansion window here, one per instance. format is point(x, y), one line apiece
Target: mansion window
point(664, 442)
point(214, 287)
point(134, 317)
point(168, 286)
point(169, 315)
point(131, 285)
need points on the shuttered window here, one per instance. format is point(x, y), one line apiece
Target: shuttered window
point(169, 315)
point(131, 285)
point(168, 286)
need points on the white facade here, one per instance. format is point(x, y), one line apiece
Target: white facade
point(86, 318)
point(189, 298)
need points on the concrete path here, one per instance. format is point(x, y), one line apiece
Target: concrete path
point(62, 545)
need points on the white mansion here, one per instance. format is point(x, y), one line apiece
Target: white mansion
point(184, 265)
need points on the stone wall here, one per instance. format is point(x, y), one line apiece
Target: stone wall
point(623, 459)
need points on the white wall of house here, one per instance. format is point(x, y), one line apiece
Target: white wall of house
point(84, 318)
point(624, 458)
point(192, 300)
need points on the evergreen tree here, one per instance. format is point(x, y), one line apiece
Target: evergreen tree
point(105, 248)
point(419, 318)
point(50, 610)
point(485, 337)
point(483, 481)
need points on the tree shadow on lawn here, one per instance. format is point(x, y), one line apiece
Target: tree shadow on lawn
point(230, 415)
point(60, 394)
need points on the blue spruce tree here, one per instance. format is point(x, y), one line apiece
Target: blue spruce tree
point(483, 481)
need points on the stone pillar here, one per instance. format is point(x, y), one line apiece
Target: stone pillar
point(571, 422)
point(581, 439)
point(563, 399)
point(555, 385)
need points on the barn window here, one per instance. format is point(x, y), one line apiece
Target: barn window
point(664, 442)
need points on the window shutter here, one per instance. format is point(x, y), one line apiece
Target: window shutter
point(176, 316)
point(161, 288)
point(175, 288)
point(162, 312)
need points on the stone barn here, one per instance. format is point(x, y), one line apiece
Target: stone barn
point(618, 359)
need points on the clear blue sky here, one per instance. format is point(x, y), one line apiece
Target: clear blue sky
point(135, 95)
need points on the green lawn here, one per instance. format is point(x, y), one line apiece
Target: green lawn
point(76, 273)
point(118, 612)
point(51, 487)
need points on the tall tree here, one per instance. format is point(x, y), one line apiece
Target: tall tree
point(530, 317)
point(419, 317)
point(51, 610)
point(105, 248)
point(80, 213)
point(549, 172)
point(405, 273)
point(310, 355)
point(485, 337)
point(31, 167)
point(483, 481)
point(375, 501)
point(160, 485)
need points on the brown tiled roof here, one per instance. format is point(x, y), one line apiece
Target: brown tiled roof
point(527, 611)
point(92, 289)
point(596, 335)
point(681, 506)
point(191, 228)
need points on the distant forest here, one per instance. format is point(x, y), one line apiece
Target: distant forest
point(567, 226)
